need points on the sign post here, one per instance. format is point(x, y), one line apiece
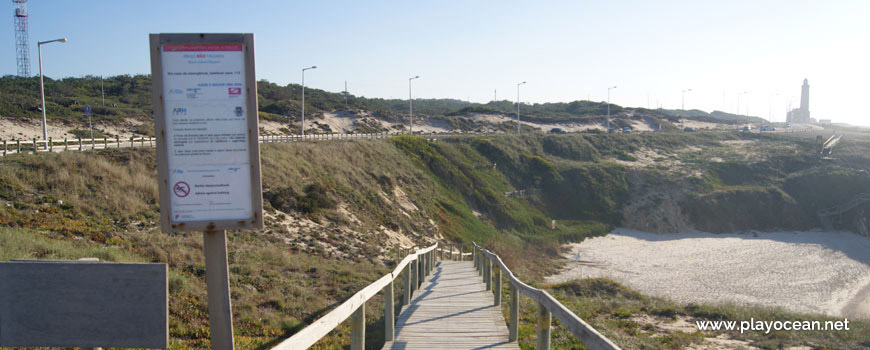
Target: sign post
point(208, 159)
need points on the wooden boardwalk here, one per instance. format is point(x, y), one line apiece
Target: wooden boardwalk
point(452, 310)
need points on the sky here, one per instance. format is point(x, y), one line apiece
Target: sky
point(755, 53)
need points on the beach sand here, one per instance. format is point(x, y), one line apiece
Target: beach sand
point(815, 272)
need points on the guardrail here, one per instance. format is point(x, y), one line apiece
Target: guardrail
point(414, 267)
point(547, 305)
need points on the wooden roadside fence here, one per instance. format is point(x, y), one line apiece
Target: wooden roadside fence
point(35, 145)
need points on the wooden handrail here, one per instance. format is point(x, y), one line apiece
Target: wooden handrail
point(320, 328)
point(587, 334)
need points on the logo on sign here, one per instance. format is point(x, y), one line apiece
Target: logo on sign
point(181, 189)
point(179, 111)
point(235, 91)
point(239, 111)
point(176, 92)
point(193, 93)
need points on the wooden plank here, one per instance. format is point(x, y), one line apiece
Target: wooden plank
point(452, 310)
point(83, 304)
point(587, 334)
point(320, 328)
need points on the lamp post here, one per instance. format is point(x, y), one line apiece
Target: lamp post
point(770, 108)
point(41, 85)
point(738, 100)
point(608, 106)
point(683, 105)
point(683, 101)
point(303, 98)
point(518, 106)
point(411, 105)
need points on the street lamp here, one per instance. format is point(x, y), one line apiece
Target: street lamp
point(738, 101)
point(683, 102)
point(411, 104)
point(608, 106)
point(303, 98)
point(738, 105)
point(770, 108)
point(683, 105)
point(518, 107)
point(41, 86)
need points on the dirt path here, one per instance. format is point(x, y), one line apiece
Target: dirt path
point(816, 272)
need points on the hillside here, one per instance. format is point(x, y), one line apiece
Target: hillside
point(336, 212)
point(121, 106)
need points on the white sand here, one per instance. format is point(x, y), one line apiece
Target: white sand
point(27, 130)
point(816, 272)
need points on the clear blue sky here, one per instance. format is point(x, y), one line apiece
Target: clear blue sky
point(566, 50)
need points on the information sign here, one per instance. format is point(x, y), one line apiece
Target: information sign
point(206, 120)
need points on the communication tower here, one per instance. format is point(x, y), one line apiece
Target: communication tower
point(22, 51)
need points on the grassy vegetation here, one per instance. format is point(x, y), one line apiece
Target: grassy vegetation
point(126, 96)
point(335, 209)
point(636, 321)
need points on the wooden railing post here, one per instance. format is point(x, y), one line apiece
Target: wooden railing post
point(414, 276)
point(545, 318)
point(497, 277)
point(50, 144)
point(34, 145)
point(65, 144)
point(18, 145)
point(4, 147)
point(406, 297)
point(474, 255)
point(358, 328)
point(389, 313)
point(118, 140)
point(420, 273)
point(80, 143)
point(481, 259)
point(440, 253)
point(513, 327)
point(487, 274)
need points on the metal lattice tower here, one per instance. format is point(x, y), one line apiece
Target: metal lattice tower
point(22, 50)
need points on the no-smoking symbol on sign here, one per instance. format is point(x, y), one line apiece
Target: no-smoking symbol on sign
point(181, 189)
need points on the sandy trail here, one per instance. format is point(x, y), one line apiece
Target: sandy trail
point(815, 272)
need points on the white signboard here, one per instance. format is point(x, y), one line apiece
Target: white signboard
point(210, 151)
